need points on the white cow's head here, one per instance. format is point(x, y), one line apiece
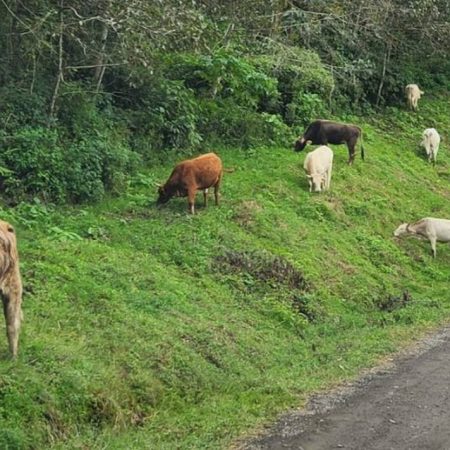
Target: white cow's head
point(316, 182)
point(401, 230)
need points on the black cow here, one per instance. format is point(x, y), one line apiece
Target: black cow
point(324, 132)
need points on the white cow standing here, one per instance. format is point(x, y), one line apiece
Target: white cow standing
point(431, 141)
point(435, 230)
point(318, 165)
point(413, 94)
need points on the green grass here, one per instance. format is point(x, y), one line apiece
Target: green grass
point(149, 328)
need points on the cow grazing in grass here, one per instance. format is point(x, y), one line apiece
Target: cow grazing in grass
point(10, 285)
point(435, 230)
point(413, 94)
point(318, 165)
point(324, 132)
point(190, 176)
point(431, 141)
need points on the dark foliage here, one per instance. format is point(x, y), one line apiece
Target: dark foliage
point(392, 303)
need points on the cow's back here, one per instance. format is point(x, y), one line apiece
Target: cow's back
point(204, 171)
point(439, 227)
point(411, 89)
point(314, 129)
point(319, 160)
point(330, 132)
point(432, 135)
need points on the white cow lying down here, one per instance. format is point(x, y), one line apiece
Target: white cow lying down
point(431, 141)
point(413, 94)
point(435, 230)
point(318, 165)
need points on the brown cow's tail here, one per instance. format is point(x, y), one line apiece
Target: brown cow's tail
point(362, 146)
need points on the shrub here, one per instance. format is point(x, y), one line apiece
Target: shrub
point(226, 123)
point(304, 108)
point(95, 165)
point(34, 160)
point(163, 115)
point(37, 162)
point(305, 85)
point(19, 108)
point(223, 75)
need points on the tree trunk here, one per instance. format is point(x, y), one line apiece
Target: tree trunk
point(100, 67)
point(387, 55)
point(59, 76)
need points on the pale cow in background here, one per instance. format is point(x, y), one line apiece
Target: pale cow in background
point(435, 230)
point(431, 141)
point(318, 165)
point(413, 94)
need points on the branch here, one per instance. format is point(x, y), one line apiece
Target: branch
point(92, 66)
point(16, 17)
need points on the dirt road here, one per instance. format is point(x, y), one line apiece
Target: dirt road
point(404, 407)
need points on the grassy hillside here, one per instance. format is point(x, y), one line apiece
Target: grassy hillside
point(150, 328)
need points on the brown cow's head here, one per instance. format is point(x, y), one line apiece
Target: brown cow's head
point(300, 144)
point(164, 195)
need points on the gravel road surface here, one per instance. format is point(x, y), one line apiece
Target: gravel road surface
point(403, 406)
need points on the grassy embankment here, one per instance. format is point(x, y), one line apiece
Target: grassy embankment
point(149, 328)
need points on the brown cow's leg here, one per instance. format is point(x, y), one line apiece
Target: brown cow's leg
point(216, 194)
point(191, 200)
point(205, 197)
point(216, 190)
point(13, 315)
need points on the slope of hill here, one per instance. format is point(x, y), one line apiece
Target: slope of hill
point(151, 328)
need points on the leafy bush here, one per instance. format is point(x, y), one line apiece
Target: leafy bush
point(34, 158)
point(223, 75)
point(19, 107)
point(304, 108)
point(80, 157)
point(96, 165)
point(38, 162)
point(225, 123)
point(305, 85)
point(161, 114)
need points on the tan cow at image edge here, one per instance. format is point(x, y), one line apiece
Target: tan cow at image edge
point(10, 285)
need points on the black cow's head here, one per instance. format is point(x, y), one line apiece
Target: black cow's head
point(300, 144)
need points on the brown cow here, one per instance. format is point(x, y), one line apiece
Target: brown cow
point(10, 285)
point(190, 176)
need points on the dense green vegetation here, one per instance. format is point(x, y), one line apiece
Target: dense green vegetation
point(90, 90)
point(152, 328)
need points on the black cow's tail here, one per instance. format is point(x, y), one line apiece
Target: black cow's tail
point(362, 146)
